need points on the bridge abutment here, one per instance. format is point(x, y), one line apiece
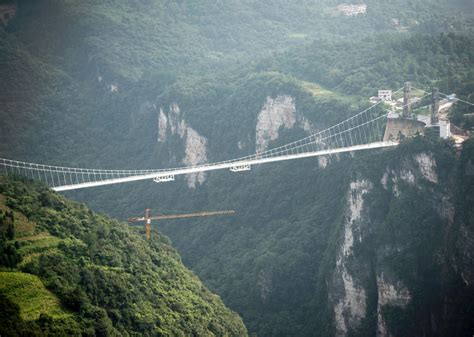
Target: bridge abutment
point(402, 127)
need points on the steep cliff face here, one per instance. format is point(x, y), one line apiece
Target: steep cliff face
point(462, 257)
point(392, 250)
point(349, 295)
point(354, 274)
point(374, 244)
point(276, 113)
point(389, 294)
point(173, 123)
point(195, 154)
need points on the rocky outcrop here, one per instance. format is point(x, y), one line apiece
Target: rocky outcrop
point(354, 275)
point(348, 295)
point(422, 167)
point(195, 154)
point(276, 113)
point(264, 284)
point(162, 126)
point(113, 87)
point(323, 161)
point(389, 294)
point(173, 123)
point(427, 165)
point(351, 279)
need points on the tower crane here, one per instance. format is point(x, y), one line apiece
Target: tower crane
point(147, 218)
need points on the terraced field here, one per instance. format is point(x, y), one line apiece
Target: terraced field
point(28, 292)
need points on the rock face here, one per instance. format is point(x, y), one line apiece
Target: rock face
point(162, 126)
point(195, 154)
point(264, 284)
point(113, 87)
point(354, 274)
point(323, 161)
point(173, 123)
point(389, 294)
point(427, 166)
point(276, 113)
point(349, 297)
point(352, 278)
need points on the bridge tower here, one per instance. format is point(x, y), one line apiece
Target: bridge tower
point(406, 100)
point(434, 105)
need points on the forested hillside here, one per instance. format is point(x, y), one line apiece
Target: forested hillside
point(131, 84)
point(67, 271)
point(280, 263)
point(359, 66)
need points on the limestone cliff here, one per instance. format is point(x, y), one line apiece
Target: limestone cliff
point(172, 123)
point(378, 244)
point(389, 294)
point(276, 113)
point(349, 295)
point(365, 278)
point(195, 154)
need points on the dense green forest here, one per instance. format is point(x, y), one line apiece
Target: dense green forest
point(108, 279)
point(287, 252)
point(83, 84)
point(59, 74)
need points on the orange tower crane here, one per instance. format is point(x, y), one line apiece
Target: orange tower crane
point(147, 218)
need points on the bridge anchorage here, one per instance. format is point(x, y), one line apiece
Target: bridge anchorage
point(364, 131)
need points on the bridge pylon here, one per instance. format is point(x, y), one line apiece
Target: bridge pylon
point(406, 100)
point(434, 105)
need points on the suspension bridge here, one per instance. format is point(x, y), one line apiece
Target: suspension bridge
point(363, 131)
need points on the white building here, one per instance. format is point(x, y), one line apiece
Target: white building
point(374, 99)
point(385, 95)
point(352, 10)
point(444, 129)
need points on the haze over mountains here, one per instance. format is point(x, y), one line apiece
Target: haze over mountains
point(365, 244)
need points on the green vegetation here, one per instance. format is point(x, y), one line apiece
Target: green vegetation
point(82, 85)
point(360, 65)
point(37, 243)
point(102, 277)
point(284, 244)
point(28, 292)
point(218, 61)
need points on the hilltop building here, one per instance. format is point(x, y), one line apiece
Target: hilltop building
point(395, 22)
point(444, 129)
point(352, 10)
point(385, 95)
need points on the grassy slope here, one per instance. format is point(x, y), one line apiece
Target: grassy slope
point(28, 292)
